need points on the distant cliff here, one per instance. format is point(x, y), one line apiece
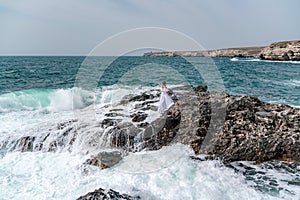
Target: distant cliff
point(282, 51)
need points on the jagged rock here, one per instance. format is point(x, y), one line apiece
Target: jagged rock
point(112, 114)
point(144, 96)
point(25, 144)
point(123, 135)
point(64, 124)
point(230, 127)
point(162, 131)
point(138, 117)
point(253, 130)
point(104, 159)
point(214, 123)
point(109, 122)
point(143, 124)
point(110, 194)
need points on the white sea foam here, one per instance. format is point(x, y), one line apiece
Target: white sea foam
point(259, 60)
point(293, 82)
point(165, 174)
point(53, 100)
point(58, 176)
point(234, 59)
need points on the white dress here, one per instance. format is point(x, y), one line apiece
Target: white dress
point(165, 101)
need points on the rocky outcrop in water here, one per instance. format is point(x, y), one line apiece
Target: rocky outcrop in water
point(104, 159)
point(213, 123)
point(257, 131)
point(277, 51)
point(110, 194)
point(220, 125)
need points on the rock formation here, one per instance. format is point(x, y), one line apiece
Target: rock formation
point(214, 123)
point(110, 194)
point(232, 128)
point(280, 51)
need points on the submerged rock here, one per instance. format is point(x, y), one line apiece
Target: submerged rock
point(104, 159)
point(25, 144)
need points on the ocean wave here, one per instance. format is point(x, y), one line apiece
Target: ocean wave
point(292, 82)
point(259, 60)
point(38, 175)
point(50, 99)
point(234, 59)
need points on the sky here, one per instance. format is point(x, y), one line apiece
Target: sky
point(75, 27)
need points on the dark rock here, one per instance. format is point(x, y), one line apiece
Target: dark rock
point(143, 124)
point(25, 144)
point(123, 135)
point(111, 114)
point(64, 124)
point(214, 123)
point(101, 194)
point(144, 96)
point(109, 122)
point(104, 159)
point(201, 88)
point(138, 117)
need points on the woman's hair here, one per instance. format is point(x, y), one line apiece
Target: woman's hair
point(164, 83)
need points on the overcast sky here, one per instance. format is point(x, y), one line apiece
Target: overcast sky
point(75, 27)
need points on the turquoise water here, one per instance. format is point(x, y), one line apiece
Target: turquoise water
point(37, 93)
point(270, 81)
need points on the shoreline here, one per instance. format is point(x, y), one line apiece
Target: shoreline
point(277, 51)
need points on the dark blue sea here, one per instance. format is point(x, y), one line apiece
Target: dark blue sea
point(37, 92)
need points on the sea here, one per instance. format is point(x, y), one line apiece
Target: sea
point(37, 94)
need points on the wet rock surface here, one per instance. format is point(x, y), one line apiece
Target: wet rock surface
point(214, 123)
point(230, 127)
point(110, 194)
point(104, 159)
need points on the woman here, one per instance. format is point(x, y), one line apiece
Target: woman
point(165, 101)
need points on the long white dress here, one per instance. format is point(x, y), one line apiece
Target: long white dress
point(165, 101)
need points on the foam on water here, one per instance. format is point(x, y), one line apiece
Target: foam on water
point(234, 59)
point(59, 176)
point(51, 99)
point(168, 173)
point(293, 82)
point(259, 60)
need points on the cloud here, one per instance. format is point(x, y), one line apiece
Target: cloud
point(76, 26)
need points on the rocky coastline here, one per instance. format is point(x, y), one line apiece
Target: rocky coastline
point(221, 126)
point(277, 51)
point(214, 124)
